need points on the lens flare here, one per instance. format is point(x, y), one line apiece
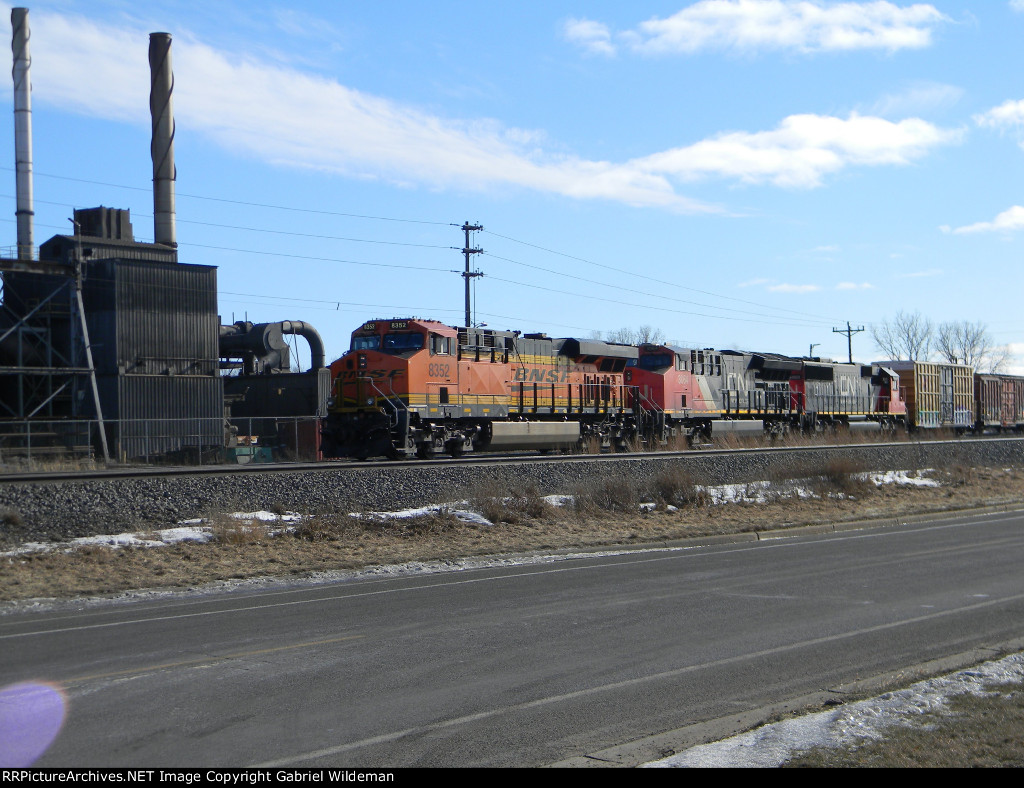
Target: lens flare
point(31, 716)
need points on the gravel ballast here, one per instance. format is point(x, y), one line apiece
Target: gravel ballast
point(68, 509)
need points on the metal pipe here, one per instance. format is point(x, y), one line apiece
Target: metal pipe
point(161, 110)
point(23, 131)
point(312, 336)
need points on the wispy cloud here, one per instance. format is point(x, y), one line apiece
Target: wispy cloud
point(748, 26)
point(1008, 221)
point(917, 99)
point(803, 149)
point(593, 36)
point(1009, 114)
point(855, 286)
point(290, 118)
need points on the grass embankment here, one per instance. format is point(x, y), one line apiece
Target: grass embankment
point(973, 731)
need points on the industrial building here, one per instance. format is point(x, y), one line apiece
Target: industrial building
point(111, 346)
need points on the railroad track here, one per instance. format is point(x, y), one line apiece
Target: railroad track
point(152, 472)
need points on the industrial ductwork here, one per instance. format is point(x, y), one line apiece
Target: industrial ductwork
point(161, 110)
point(263, 349)
point(23, 131)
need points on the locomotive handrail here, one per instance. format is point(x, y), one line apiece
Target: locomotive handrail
point(389, 400)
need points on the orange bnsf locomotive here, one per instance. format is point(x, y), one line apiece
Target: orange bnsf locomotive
point(419, 388)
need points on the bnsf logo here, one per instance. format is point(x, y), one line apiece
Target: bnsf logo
point(350, 375)
point(540, 376)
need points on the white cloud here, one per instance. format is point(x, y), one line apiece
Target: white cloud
point(855, 286)
point(1009, 114)
point(1017, 5)
point(797, 289)
point(802, 26)
point(592, 36)
point(1008, 221)
point(802, 150)
point(290, 118)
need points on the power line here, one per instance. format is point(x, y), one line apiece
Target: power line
point(237, 202)
point(773, 315)
point(266, 230)
point(658, 281)
point(619, 302)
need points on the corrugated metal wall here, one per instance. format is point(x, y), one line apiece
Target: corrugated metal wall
point(160, 414)
point(153, 318)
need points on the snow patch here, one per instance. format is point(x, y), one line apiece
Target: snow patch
point(849, 725)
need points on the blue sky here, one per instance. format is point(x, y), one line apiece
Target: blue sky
point(739, 173)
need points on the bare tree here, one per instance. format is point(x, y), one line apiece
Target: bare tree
point(961, 342)
point(906, 336)
point(636, 336)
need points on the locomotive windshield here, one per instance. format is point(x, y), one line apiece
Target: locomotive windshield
point(400, 343)
point(656, 361)
point(371, 342)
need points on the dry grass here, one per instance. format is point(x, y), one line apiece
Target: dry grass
point(605, 513)
point(47, 464)
point(498, 504)
point(975, 731)
point(233, 531)
point(677, 487)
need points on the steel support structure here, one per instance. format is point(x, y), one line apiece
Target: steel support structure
point(51, 348)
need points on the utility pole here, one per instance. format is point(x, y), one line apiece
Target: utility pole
point(810, 353)
point(849, 332)
point(468, 274)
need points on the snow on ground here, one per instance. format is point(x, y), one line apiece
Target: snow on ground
point(902, 478)
point(199, 530)
point(456, 509)
point(849, 725)
point(196, 530)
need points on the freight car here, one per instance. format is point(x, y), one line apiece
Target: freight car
point(418, 387)
point(998, 403)
point(937, 395)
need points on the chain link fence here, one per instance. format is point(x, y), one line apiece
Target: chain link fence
point(70, 442)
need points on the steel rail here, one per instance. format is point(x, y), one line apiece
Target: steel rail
point(503, 459)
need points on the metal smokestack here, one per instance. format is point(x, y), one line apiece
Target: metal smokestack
point(23, 130)
point(161, 110)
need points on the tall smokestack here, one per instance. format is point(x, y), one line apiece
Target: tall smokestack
point(23, 130)
point(161, 109)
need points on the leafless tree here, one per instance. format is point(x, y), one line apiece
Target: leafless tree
point(636, 336)
point(905, 336)
point(961, 342)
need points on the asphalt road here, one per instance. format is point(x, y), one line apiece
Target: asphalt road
point(515, 665)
